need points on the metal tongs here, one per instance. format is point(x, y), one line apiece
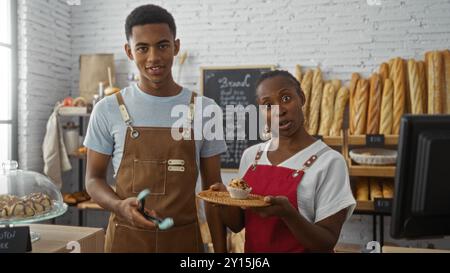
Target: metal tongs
point(162, 224)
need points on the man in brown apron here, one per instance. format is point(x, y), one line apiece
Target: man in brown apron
point(150, 157)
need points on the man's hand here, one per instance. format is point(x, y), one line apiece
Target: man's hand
point(218, 187)
point(279, 207)
point(128, 210)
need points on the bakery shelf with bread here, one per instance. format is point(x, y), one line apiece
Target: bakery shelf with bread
point(325, 106)
point(367, 189)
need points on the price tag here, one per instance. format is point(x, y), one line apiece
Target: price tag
point(15, 240)
point(375, 140)
point(383, 205)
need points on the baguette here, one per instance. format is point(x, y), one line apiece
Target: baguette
point(446, 55)
point(374, 111)
point(361, 103)
point(298, 73)
point(384, 72)
point(387, 106)
point(415, 88)
point(362, 189)
point(388, 189)
point(421, 67)
point(435, 68)
point(316, 101)
point(408, 103)
point(306, 87)
point(399, 94)
point(353, 85)
point(336, 84)
point(327, 109)
point(339, 108)
point(391, 68)
point(376, 190)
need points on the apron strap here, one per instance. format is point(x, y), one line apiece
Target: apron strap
point(257, 157)
point(126, 116)
point(311, 161)
point(123, 109)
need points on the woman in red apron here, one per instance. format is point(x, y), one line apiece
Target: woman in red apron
point(280, 227)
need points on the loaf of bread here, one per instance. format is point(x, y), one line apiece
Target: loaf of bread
point(353, 85)
point(408, 104)
point(387, 106)
point(337, 84)
point(384, 72)
point(327, 109)
point(421, 67)
point(361, 104)
point(298, 73)
point(376, 190)
point(446, 55)
point(374, 111)
point(391, 69)
point(399, 94)
point(316, 101)
point(362, 189)
point(388, 189)
point(306, 87)
point(340, 103)
point(435, 68)
point(415, 88)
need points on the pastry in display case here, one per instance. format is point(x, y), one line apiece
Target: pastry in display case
point(27, 197)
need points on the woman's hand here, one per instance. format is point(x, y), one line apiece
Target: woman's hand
point(279, 207)
point(128, 210)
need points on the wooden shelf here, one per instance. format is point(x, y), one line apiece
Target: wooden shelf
point(334, 140)
point(365, 206)
point(78, 156)
point(74, 112)
point(89, 205)
point(361, 140)
point(372, 171)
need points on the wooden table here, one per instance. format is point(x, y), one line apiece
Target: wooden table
point(55, 239)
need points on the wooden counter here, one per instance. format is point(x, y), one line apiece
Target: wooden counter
point(54, 239)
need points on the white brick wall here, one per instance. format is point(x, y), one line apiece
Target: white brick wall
point(44, 71)
point(341, 36)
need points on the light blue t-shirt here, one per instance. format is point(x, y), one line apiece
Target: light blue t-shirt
point(106, 130)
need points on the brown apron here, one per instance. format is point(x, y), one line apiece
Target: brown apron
point(153, 160)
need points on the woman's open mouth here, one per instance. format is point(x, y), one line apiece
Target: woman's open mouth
point(285, 125)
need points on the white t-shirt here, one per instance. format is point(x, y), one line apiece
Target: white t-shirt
point(325, 188)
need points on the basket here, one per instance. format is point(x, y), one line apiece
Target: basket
point(374, 156)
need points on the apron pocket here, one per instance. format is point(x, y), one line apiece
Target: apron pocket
point(149, 174)
point(181, 239)
point(126, 239)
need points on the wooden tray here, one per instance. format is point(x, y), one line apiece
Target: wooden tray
point(224, 198)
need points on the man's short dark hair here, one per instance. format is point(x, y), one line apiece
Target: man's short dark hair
point(149, 14)
point(281, 73)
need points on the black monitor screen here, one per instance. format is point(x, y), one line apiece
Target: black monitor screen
point(422, 183)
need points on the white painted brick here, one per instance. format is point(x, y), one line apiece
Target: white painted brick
point(44, 71)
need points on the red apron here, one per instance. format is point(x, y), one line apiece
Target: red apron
point(271, 235)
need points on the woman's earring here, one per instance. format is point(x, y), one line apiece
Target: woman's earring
point(267, 134)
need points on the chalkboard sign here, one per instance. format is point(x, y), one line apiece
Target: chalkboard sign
point(15, 240)
point(233, 86)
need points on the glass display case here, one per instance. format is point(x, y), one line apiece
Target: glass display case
point(27, 197)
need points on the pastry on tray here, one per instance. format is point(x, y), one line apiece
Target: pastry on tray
point(239, 189)
point(12, 206)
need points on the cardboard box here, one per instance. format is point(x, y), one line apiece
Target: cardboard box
point(57, 239)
